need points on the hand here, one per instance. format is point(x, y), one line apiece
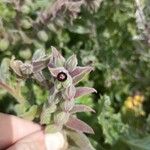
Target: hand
point(19, 134)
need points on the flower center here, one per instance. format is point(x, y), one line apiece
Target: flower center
point(62, 76)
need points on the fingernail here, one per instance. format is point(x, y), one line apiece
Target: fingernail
point(54, 141)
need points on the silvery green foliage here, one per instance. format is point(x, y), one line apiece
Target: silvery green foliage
point(58, 113)
point(31, 22)
point(143, 23)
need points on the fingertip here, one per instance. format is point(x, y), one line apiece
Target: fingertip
point(13, 129)
point(55, 141)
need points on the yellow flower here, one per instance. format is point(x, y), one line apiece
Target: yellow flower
point(139, 98)
point(135, 104)
point(128, 104)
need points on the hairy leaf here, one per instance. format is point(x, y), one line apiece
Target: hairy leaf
point(78, 125)
point(79, 73)
point(81, 108)
point(38, 55)
point(4, 69)
point(46, 114)
point(137, 143)
point(80, 140)
point(70, 92)
point(81, 91)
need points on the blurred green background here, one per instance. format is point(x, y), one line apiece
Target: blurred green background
point(111, 35)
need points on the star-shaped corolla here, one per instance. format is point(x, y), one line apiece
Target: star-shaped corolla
point(67, 69)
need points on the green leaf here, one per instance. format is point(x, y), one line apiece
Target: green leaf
point(4, 69)
point(79, 29)
point(138, 143)
point(80, 140)
point(31, 114)
point(21, 108)
point(52, 128)
point(45, 117)
point(110, 122)
point(38, 55)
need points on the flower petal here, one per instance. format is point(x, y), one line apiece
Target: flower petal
point(81, 91)
point(56, 59)
point(68, 82)
point(79, 73)
point(81, 108)
point(55, 71)
point(78, 125)
point(71, 63)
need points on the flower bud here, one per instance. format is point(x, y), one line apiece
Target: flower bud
point(15, 66)
point(61, 118)
point(26, 69)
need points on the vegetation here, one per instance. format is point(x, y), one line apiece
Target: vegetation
point(111, 36)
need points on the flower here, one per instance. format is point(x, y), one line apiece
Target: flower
point(65, 75)
point(68, 74)
point(135, 104)
point(68, 68)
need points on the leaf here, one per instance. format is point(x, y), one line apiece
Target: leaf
point(38, 55)
point(80, 29)
point(81, 108)
point(71, 63)
point(4, 69)
point(138, 143)
point(61, 118)
point(79, 73)
point(80, 140)
point(21, 108)
point(39, 76)
point(45, 117)
point(67, 105)
point(82, 91)
point(39, 65)
point(31, 114)
point(78, 125)
point(70, 92)
point(52, 128)
point(110, 122)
